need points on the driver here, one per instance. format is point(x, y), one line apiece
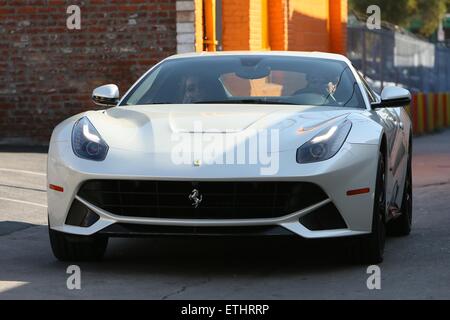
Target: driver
point(318, 84)
point(192, 89)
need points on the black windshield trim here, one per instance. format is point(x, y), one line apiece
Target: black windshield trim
point(124, 101)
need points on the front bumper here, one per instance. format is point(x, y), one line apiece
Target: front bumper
point(354, 167)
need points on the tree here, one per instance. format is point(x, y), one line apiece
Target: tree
point(431, 13)
point(398, 12)
point(402, 12)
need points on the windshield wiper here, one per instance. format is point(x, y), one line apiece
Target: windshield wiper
point(162, 102)
point(249, 101)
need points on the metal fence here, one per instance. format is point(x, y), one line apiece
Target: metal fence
point(395, 57)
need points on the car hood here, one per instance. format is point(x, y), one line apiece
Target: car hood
point(158, 128)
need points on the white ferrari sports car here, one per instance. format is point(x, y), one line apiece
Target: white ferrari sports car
point(234, 143)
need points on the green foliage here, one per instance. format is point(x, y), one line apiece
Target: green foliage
point(402, 12)
point(430, 12)
point(394, 11)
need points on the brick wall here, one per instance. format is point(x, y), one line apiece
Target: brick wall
point(308, 25)
point(47, 72)
point(338, 26)
point(186, 25)
point(235, 25)
point(255, 24)
point(318, 25)
point(278, 24)
point(198, 24)
point(297, 25)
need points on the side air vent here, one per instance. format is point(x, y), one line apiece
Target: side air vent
point(324, 218)
point(80, 215)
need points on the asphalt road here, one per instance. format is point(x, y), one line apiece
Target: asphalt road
point(417, 266)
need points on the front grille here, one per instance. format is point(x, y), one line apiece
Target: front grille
point(220, 200)
point(142, 230)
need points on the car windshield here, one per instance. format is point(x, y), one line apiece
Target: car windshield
point(255, 79)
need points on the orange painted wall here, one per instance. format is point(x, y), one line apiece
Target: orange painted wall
point(242, 24)
point(278, 24)
point(198, 25)
point(235, 25)
point(255, 24)
point(308, 25)
point(317, 25)
point(338, 26)
point(299, 25)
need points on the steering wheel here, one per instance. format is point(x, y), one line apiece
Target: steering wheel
point(309, 98)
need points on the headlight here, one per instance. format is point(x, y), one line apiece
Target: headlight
point(325, 144)
point(86, 141)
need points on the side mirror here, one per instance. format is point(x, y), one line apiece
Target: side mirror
point(106, 96)
point(392, 97)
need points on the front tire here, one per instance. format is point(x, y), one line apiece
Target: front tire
point(67, 247)
point(370, 249)
point(401, 226)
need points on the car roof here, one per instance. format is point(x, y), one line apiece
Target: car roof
point(313, 54)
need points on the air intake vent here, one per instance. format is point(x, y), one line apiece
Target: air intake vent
point(219, 200)
point(81, 216)
point(324, 218)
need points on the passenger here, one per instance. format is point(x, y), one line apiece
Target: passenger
point(192, 90)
